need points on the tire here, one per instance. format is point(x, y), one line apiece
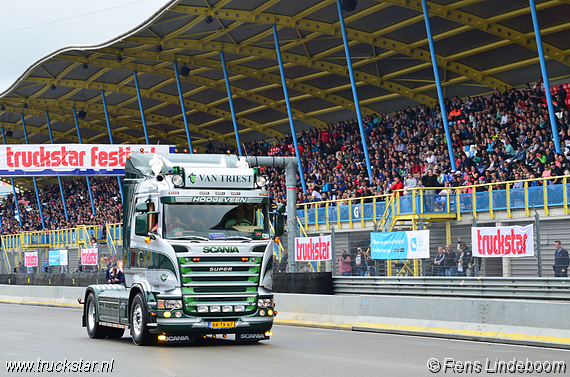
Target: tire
point(139, 328)
point(94, 330)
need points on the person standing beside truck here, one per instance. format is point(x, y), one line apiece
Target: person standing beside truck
point(344, 265)
point(561, 261)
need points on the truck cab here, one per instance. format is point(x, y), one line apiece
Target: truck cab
point(197, 253)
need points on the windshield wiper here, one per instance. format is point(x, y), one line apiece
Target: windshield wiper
point(190, 238)
point(238, 238)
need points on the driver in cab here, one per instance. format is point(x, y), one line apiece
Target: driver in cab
point(174, 222)
point(238, 220)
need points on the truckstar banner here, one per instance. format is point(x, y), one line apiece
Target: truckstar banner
point(57, 257)
point(400, 245)
point(69, 159)
point(313, 249)
point(503, 241)
point(31, 259)
point(89, 257)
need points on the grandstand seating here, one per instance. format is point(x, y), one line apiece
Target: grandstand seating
point(486, 136)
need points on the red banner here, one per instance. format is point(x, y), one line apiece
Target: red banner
point(89, 257)
point(31, 259)
point(503, 241)
point(312, 249)
point(69, 159)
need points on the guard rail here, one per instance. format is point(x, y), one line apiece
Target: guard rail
point(479, 287)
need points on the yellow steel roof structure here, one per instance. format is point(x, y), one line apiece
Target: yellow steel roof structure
point(480, 44)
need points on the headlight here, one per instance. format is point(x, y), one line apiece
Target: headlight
point(214, 309)
point(261, 181)
point(173, 304)
point(268, 302)
point(260, 302)
point(202, 309)
point(262, 312)
point(239, 308)
point(226, 308)
point(177, 180)
point(178, 314)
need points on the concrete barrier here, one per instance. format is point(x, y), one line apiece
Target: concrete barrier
point(525, 322)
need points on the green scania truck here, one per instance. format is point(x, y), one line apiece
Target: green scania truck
point(197, 252)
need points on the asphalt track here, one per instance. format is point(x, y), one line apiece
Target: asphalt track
point(51, 334)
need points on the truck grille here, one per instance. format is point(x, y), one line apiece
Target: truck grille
point(220, 282)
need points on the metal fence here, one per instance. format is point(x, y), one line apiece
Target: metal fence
point(504, 288)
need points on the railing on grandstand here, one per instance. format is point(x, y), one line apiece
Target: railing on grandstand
point(53, 239)
point(383, 209)
point(114, 237)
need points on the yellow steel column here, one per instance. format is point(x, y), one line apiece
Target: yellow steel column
point(565, 194)
point(491, 213)
point(350, 213)
point(545, 197)
point(316, 217)
point(327, 214)
point(362, 224)
point(509, 214)
point(526, 210)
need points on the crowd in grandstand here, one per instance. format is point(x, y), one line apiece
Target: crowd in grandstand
point(106, 198)
point(499, 139)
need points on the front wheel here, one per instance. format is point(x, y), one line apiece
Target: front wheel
point(94, 330)
point(139, 328)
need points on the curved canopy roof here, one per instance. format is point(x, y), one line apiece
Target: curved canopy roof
point(480, 44)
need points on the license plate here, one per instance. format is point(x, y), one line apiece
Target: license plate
point(222, 325)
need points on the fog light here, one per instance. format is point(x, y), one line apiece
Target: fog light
point(167, 314)
point(178, 314)
point(270, 312)
point(268, 333)
point(162, 337)
point(202, 309)
point(226, 308)
point(239, 308)
point(214, 309)
point(262, 312)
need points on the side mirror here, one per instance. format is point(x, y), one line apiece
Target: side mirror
point(279, 225)
point(280, 208)
point(141, 224)
point(141, 207)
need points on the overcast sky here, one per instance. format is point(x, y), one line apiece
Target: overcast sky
point(31, 29)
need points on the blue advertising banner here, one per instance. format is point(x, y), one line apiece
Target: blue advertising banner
point(57, 257)
point(400, 245)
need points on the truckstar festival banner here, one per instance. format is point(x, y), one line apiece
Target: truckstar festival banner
point(400, 245)
point(31, 259)
point(503, 241)
point(313, 249)
point(57, 257)
point(89, 257)
point(69, 159)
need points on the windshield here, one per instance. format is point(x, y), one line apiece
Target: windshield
point(215, 221)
